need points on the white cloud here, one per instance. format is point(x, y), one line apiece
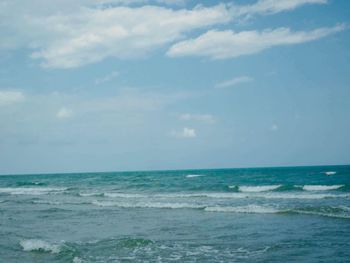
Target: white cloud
point(107, 78)
point(273, 6)
point(68, 34)
point(90, 35)
point(234, 82)
point(185, 133)
point(64, 113)
point(10, 97)
point(229, 44)
point(208, 118)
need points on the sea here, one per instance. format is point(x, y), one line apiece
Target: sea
point(289, 214)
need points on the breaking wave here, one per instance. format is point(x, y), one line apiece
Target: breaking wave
point(194, 175)
point(321, 187)
point(31, 190)
point(39, 245)
point(251, 209)
point(255, 189)
point(330, 173)
point(148, 205)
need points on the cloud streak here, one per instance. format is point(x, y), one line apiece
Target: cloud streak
point(8, 97)
point(75, 33)
point(229, 44)
point(185, 133)
point(234, 82)
point(273, 6)
point(64, 113)
point(207, 118)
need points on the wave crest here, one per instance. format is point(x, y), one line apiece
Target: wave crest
point(321, 187)
point(31, 190)
point(39, 245)
point(262, 188)
point(194, 175)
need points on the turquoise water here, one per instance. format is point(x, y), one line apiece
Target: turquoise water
point(295, 214)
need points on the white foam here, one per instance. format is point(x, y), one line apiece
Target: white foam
point(321, 187)
point(39, 245)
point(124, 195)
point(31, 190)
point(251, 209)
point(77, 260)
point(322, 214)
point(330, 173)
point(302, 196)
point(147, 205)
point(262, 188)
point(194, 175)
point(345, 208)
point(222, 195)
point(89, 194)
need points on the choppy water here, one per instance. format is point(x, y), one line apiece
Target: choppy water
point(299, 214)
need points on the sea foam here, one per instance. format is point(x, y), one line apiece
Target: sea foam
point(321, 187)
point(254, 189)
point(194, 175)
point(124, 195)
point(330, 173)
point(39, 245)
point(147, 205)
point(250, 209)
point(31, 190)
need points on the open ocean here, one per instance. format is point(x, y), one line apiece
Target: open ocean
point(292, 214)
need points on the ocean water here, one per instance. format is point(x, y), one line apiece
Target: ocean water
point(294, 214)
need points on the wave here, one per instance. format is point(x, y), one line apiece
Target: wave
point(194, 175)
point(29, 183)
point(228, 195)
point(42, 202)
point(335, 212)
point(39, 245)
point(321, 187)
point(90, 194)
point(330, 173)
point(124, 195)
point(254, 189)
point(77, 260)
point(148, 205)
point(283, 188)
point(255, 209)
point(326, 211)
point(321, 214)
point(304, 196)
point(31, 190)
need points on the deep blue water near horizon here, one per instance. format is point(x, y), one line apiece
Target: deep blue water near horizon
point(290, 214)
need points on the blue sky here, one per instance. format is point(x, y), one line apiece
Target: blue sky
point(171, 84)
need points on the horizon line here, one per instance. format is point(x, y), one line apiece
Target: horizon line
point(170, 170)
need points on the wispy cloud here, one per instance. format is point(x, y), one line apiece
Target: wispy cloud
point(273, 6)
point(233, 82)
point(230, 44)
point(91, 35)
point(8, 97)
point(208, 118)
point(64, 113)
point(185, 133)
point(75, 33)
point(107, 77)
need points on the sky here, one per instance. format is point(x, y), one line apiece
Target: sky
point(173, 84)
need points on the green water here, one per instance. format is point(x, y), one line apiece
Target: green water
point(294, 214)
